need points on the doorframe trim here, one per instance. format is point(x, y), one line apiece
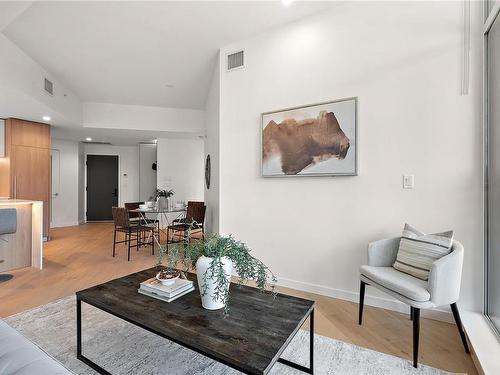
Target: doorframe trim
point(51, 218)
point(85, 179)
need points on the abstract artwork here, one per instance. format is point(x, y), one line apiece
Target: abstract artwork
point(313, 140)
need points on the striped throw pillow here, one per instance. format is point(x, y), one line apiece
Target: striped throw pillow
point(417, 251)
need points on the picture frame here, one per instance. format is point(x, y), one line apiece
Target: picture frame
point(314, 140)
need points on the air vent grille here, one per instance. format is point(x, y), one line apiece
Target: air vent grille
point(96, 143)
point(48, 86)
point(236, 60)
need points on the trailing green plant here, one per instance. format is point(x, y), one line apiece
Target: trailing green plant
point(186, 253)
point(161, 193)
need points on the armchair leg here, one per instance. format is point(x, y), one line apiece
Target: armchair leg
point(416, 334)
point(460, 326)
point(362, 286)
point(411, 313)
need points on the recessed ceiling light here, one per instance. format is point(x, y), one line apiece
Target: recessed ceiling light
point(88, 139)
point(286, 2)
point(46, 118)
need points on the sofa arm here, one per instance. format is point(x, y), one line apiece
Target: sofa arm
point(445, 277)
point(383, 253)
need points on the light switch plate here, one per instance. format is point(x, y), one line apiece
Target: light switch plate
point(408, 181)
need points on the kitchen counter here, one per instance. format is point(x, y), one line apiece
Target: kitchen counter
point(23, 248)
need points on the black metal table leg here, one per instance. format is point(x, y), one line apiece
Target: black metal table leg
point(78, 327)
point(311, 343)
point(79, 354)
point(310, 369)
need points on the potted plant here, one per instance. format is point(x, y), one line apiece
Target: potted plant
point(214, 257)
point(161, 197)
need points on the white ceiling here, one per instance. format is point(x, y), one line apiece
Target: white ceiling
point(128, 52)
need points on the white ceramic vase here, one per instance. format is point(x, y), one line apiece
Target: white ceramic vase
point(202, 265)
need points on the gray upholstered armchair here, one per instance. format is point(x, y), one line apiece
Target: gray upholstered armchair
point(442, 288)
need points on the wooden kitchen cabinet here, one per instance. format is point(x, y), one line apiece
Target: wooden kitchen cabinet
point(26, 171)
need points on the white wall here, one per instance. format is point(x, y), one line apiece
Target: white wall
point(65, 204)
point(21, 89)
point(121, 116)
point(212, 149)
point(403, 62)
point(181, 168)
point(129, 169)
point(147, 176)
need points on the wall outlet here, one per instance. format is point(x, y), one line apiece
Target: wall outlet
point(408, 181)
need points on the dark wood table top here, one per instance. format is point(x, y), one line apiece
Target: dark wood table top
point(251, 338)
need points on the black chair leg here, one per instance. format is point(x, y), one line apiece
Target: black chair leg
point(114, 242)
point(411, 313)
point(416, 334)
point(129, 243)
point(456, 315)
point(362, 286)
point(152, 241)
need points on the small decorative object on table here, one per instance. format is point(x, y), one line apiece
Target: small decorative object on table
point(167, 277)
point(155, 288)
point(213, 257)
point(162, 198)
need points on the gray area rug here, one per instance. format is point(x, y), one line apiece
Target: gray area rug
point(122, 348)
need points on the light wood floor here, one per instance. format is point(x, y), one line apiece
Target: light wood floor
point(79, 257)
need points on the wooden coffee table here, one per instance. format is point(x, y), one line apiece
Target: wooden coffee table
point(250, 339)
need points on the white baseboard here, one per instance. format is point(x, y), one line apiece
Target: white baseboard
point(60, 225)
point(384, 303)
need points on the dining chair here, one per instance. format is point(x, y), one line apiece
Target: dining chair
point(134, 217)
point(133, 232)
point(194, 221)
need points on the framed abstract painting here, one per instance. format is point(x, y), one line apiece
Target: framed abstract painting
point(313, 140)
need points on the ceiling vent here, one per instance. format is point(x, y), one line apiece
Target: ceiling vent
point(48, 86)
point(236, 60)
point(96, 143)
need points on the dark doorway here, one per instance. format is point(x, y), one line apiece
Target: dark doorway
point(102, 186)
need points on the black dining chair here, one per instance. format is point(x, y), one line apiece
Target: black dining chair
point(194, 221)
point(133, 232)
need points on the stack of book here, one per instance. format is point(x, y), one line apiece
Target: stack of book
point(167, 293)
